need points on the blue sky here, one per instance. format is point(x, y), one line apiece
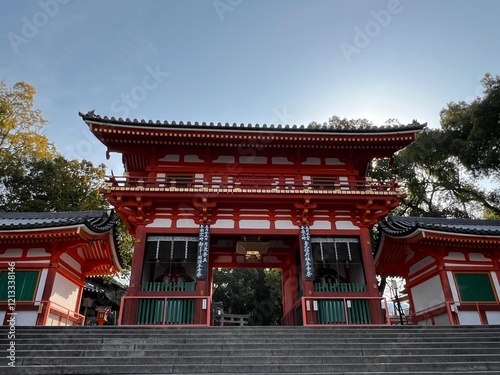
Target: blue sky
point(250, 61)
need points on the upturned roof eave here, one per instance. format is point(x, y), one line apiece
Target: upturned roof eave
point(403, 227)
point(91, 118)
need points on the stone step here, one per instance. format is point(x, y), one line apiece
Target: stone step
point(347, 368)
point(244, 350)
point(160, 334)
point(259, 330)
point(131, 345)
point(239, 344)
point(322, 328)
point(268, 360)
point(150, 352)
point(202, 336)
point(158, 370)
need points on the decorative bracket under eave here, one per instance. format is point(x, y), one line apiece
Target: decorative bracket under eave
point(372, 212)
point(204, 207)
point(305, 209)
point(134, 212)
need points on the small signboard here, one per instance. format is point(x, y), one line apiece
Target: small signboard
point(203, 246)
point(305, 236)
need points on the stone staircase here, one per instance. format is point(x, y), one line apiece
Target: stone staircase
point(253, 350)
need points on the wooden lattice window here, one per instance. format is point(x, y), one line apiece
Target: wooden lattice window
point(475, 287)
point(25, 283)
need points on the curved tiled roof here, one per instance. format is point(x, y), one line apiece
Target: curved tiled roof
point(91, 116)
point(399, 226)
point(97, 221)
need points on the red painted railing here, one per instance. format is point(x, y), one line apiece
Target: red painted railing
point(253, 183)
point(452, 309)
point(59, 314)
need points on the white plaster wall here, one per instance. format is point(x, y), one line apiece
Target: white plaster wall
point(496, 284)
point(281, 160)
point(333, 161)
point(439, 320)
point(224, 159)
point(312, 161)
point(26, 262)
point(478, 257)
point(453, 286)
point(255, 224)
point(71, 262)
point(427, 294)
point(455, 256)
point(65, 292)
point(253, 160)
point(170, 157)
point(37, 252)
point(160, 223)
point(41, 285)
point(469, 318)
point(321, 224)
point(493, 317)
point(442, 320)
point(284, 224)
point(345, 225)
point(192, 159)
point(12, 253)
point(420, 264)
point(26, 318)
point(223, 223)
point(424, 322)
point(186, 223)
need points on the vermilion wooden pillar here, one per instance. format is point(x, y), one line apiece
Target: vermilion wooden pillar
point(49, 282)
point(370, 276)
point(289, 282)
point(130, 309)
point(137, 261)
point(307, 285)
point(445, 284)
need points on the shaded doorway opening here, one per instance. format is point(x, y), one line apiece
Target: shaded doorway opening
point(252, 292)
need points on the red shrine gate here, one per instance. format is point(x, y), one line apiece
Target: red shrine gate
point(198, 196)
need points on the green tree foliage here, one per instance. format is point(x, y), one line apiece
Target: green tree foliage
point(52, 184)
point(34, 176)
point(254, 291)
point(435, 184)
point(453, 171)
point(21, 126)
point(474, 130)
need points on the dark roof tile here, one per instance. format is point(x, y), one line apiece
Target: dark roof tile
point(91, 116)
point(399, 226)
point(98, 221)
